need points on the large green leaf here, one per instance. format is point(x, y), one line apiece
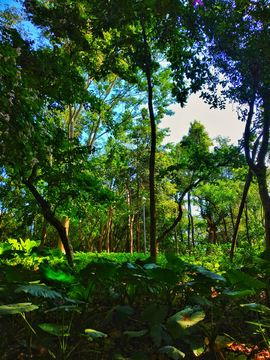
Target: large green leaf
point(182, 320)
point(174, 262)
point(209, 274)
point(38, 290)
point(200, 300)
point(94, 334)
point(159, 333)
point(172, 352)
point(101, 270)
point(238, 292)
point(57, 275)
point(154, 315)
point(246, 281)
point(54, 329)
point(164, 276)
point(132, 334)
point(11, 309)
point(124, 311)
point(196, 343)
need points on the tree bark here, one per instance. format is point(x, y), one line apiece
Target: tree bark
point(100, 238)
point(259, 168)
point(153, 219)
point(247, 227)
point(43, 234)
point(66, 224)
point(240, 212)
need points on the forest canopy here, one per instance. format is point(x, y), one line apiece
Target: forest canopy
point(82, 97)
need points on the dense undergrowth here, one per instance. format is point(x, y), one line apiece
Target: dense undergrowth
point(122, 306)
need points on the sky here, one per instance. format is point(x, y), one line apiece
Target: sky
point(217, 122)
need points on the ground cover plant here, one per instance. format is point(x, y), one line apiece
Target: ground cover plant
point(127, 307)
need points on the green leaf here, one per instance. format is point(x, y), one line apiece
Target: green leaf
point(124, 311)
point(209, 274)
point(66, 308)
point(38, 290)
point(244, 280)
point(172, 352)
point(153, 315)
point(257, 307)
point(163, 275)
point(139, 356)
point(196, 344)
point(132, 334)
point(99, 270)
point(159, 333)
point(57, 275)
point(53, 329)
point(200, 300)
point(239, 293)
point(11, 309)
point(182, 320)
point(94, 334)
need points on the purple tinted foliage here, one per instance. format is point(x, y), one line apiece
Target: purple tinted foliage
point(195, 2)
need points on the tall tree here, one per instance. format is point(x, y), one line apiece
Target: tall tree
point(237, 31)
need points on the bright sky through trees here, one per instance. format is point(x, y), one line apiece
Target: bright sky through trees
point(217, 122)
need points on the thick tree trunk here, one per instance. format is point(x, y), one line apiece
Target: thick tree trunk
point(66, 224)
point(49, 216)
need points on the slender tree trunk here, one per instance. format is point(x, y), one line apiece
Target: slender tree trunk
point(138, 232)
point(111, 235)
point(43, 234)
point(188, 233)
point(240, 212)
point(100, 238)
point(265, 198)
point(259, 168)
point(231, 216)
point(153, 220)
point(130, 220)
point(108, 228)
point(176, 241)
point(225, 231)
point(247, 227)
point(1, 229)
point(138, 224)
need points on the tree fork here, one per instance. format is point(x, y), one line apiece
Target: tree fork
point(49, 216)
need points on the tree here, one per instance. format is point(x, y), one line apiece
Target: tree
point(195, 164)
point(29, 138)
point(237, 31)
